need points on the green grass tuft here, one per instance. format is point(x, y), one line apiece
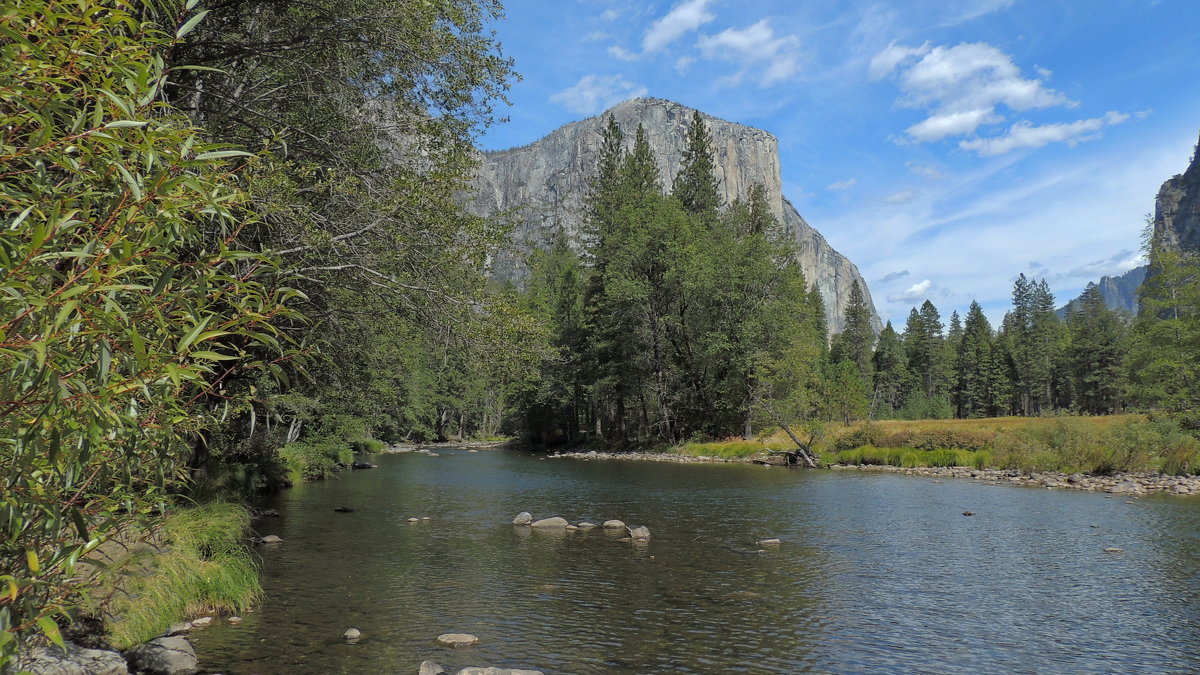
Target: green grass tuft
point(202, 565)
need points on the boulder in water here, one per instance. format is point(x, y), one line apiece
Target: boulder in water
point(523, 518)
point(614, 524)
point(457, 640)
point(640, 533)
point(555, 522)
point(163, 656)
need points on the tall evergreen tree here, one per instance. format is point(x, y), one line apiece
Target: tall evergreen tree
point(979, 368)
point(891, 373)
point(1096, 354)
point(857, 341)
point(696, 185)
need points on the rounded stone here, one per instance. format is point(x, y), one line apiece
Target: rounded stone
point(640, 533)
point(523, 518)
point(769, 542)
point(352, 635)
point(555, 522)
point(457, 640)
point(614, 524)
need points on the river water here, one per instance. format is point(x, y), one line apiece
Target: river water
point(875, 573)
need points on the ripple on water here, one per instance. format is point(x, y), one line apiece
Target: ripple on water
point(876, 573)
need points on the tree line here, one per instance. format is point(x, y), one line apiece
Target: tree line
point(1096, 361)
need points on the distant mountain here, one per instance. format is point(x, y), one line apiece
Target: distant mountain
point(543, 184)
point(1119, 293)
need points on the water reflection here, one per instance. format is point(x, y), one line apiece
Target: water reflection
point(874, 573)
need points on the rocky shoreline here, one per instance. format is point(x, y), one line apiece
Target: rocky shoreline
point(1119, 483)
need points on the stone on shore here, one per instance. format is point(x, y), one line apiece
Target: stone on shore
point(1126, 487)
point(428, 667)
point(178, 629)
point(457, 640)
point(555, 522)
point(163, 656)
point(640, 533)
point(352, 636)
point(76, 661)
point(523, 518)
point(614, 524)
point(201, 622)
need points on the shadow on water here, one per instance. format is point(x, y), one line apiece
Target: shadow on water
point(876, 573)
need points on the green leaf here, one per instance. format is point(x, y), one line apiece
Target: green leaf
point(124, 124)
point(193, 334)
point(221, 154)
point(50, 630)
point(21, 218)
point(31, 559)
point(212, 356)
point(190, 24)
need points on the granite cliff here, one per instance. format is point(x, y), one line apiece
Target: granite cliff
point(1177, 210)
point(1119, 293)
point(542, 185)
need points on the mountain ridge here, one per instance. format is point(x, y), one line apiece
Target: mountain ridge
point(543, 183)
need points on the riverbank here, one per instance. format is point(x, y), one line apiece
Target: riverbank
point(1131, 483)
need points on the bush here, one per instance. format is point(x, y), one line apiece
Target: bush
point(316, 459)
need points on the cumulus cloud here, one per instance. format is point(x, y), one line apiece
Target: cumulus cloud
point(684, 17)
point(961, 87)
point(1026, 135)
point(883, 63)
point(755, 45)
point(892, 276)
point(842, 184)
point(918, 291)
point(901, 197)
point(594, 93)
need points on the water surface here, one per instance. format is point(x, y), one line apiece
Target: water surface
point(876, 573)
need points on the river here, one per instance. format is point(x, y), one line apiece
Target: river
point(875, 573)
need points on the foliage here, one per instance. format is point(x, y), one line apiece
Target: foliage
point(127, 306)
point(199, 563)
point(678, 318)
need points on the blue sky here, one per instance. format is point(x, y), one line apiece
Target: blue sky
point(944, 147)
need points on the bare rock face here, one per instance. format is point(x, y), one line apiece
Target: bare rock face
point(1177, 210)
point(543, 184)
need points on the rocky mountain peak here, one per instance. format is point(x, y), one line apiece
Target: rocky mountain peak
point(542, 186)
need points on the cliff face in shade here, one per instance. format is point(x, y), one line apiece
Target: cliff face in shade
point(1177, 210)
point(541, 186)
point(1119, 293)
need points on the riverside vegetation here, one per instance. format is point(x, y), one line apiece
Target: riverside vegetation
point(232, 253)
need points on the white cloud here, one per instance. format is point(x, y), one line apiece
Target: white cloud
point(926, 170)
point(683, 64)
point(1112, 266)
point(596, 36)
point(901, 197)
point(937, 127)
point(883, 63)
point(618, 52)
point(594, 93)
point(842, 184)
point(918, 291)
point(1026, 135)
point(609, 15)
point(961, 86)
point(756, 44)
point(684, 17)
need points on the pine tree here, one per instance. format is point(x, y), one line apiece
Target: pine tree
point(891, 373)
point(857, 341)
point(979, 369)
point(696, 185)
point(1096, 354)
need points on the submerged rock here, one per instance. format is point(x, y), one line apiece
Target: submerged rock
point(614, 524)
point(640, 533)
point(271, 539)
point(163, 656)
point(428, 667)
point(363, 465)
point(352, 636)
point(234, 620)
point(769, 542)
point(1114, 549)
point(344, 509)
point(585, 525)
point(523, 518)
point(457, 640)
point(555, 522)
